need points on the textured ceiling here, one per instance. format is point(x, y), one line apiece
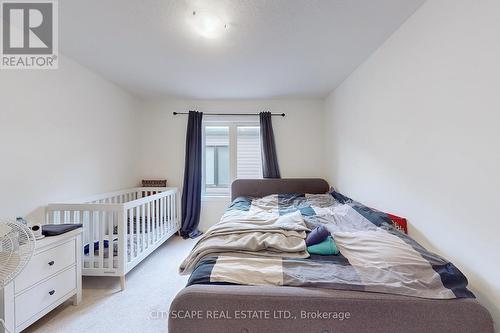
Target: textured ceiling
point(272, 47)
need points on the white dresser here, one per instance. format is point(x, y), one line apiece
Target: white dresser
point(52, 276)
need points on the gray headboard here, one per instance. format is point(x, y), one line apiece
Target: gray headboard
point(263, 187)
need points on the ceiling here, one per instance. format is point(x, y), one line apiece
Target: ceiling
point(271, 48)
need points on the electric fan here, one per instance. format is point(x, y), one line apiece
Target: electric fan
point(17, 244)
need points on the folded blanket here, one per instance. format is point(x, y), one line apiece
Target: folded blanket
point(279, 236)
point(326, 247)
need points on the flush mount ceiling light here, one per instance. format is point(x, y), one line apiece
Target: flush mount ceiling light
point(206, 24)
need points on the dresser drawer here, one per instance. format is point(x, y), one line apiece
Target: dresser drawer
point(44, 264)
point(38, 298)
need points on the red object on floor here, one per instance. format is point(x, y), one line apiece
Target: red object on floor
point(399, 222)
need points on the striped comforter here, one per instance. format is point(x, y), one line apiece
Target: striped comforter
point(244, 248)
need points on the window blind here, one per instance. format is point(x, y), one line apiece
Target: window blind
point(248, 155)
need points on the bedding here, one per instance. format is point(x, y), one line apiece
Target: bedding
point(260, 241)
point(263, 234)
point(134, 243)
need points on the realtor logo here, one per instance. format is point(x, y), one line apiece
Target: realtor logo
point(29, 34)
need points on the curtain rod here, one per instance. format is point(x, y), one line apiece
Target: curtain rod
point(231, 114)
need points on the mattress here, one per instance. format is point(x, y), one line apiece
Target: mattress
point(96, 263)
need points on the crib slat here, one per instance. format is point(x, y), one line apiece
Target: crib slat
point(143, 220)
point(169, 213)
point(172, 213)
point(169, 216)
point(153, 221)
point(148, 226)
point(165, 217)
point(101, 225)
point(157, 221)
point(162, 212)
point(151, 237)
point(91, 239)
point(149, 213)
point(165, 214)
point(129, 234)
point(85, 237)
point(80, 220)
point(158, 217)
point(175, 211)
point(167, 207)
point(111, 246)
point(169, 222)
point(136, 230)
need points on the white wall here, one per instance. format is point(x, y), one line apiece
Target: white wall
point(415, 131)
point(299, 139)
point(64, 133)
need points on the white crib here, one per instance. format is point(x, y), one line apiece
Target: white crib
point(120, 229)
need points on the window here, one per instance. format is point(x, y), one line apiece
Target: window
point(216, 159)
point(249, 163)
point(231, 150)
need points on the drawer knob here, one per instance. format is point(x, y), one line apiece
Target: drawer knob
point(51, 263)
point(52, 292)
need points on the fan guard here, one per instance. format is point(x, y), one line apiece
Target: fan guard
point(17, 244)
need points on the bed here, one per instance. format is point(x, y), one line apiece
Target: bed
point(228, 305)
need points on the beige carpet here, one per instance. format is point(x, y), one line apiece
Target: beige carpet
point(151, 286)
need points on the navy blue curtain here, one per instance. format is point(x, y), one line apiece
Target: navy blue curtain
point(270, 167)
point(191, 192)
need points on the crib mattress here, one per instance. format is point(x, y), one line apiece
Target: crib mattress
point(134, 246)
point(95, 263)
